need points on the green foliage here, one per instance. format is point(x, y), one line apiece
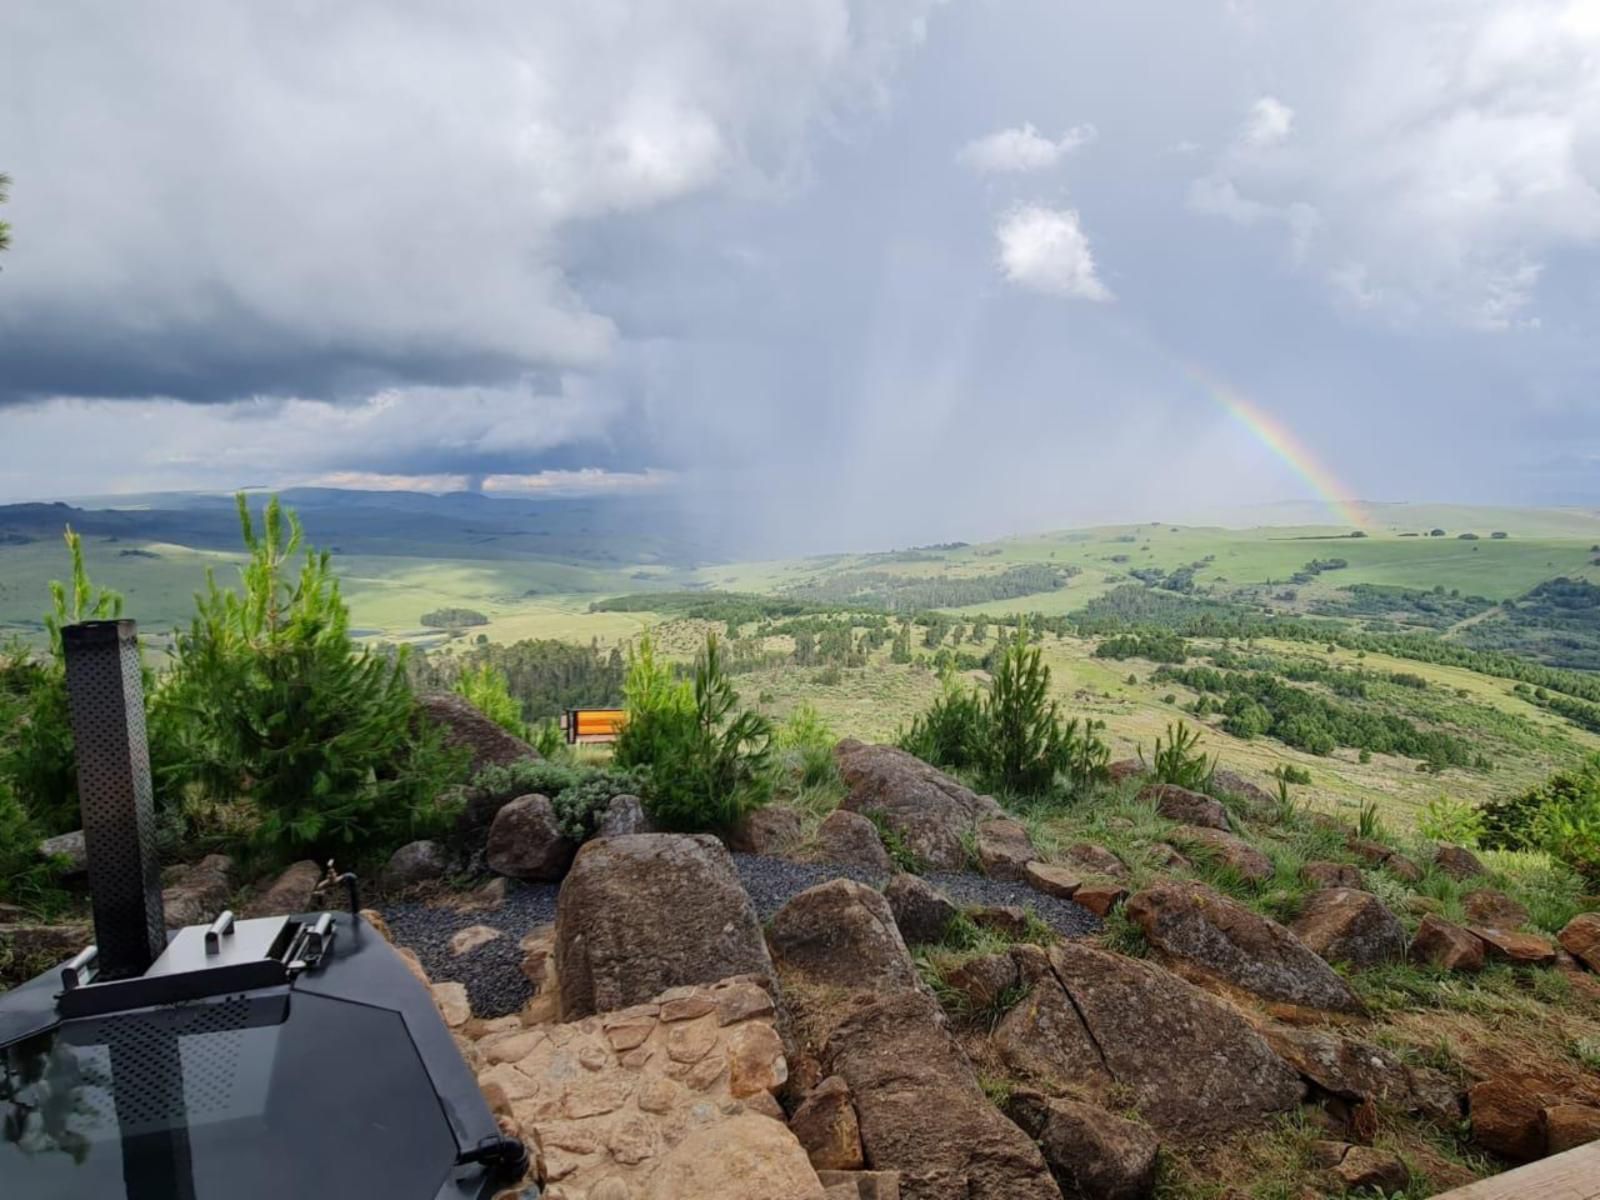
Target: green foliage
point(1289, 773)
point(903, 856)
point(453, 618)
point(1179, 760)
point(25, 879)
point(1157, 645)
point(488, 691)
point(578, 793)
point(950, 732)
point(1560, 816)
point(709, 761)
point(546, 737)
point(1368, 822)
point(1446, 820)
point(805, 743)
point(274, 703)
point(544, 676)
point(1021, 744)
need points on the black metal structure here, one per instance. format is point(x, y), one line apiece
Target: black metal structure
point(247, 1060)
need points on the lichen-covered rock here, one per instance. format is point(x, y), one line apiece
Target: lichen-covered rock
point(1213, 940)
point(931, 813)
point(1358, 1071)
point(1099, 896)
point(1376, 854)
point(1091, 859)
point(922, 912)
point(650, 911)
point(849, 839)
point(1350, 926)
point(70, 850)
point(1185, 807)
point(1091, 1152)
point(1004, 849)
point(775, 830)
point(1364, 1168)
point(841, 934)
point(1052, 880)
point(1447, 946)
point(526, 842)
point(624, 816)
point(1520, 949)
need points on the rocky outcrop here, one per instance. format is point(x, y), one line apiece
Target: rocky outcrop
point(1457, 862)
point(1126, 768)
point(1350, 926)
point(1215, 941)
point(1004, 849)
point(643, 913)
point(841, 934)
point(1093, 1154)
point(465, 728)
point(525, 841)
point(1332, 875)
point(921, 911)
point(921, 1111)
point(416, 862)
point(293, 891)
point(198, 893)
point(773, 830)
point(1439, 943)
point(1126, 1031)
point(931, 813)
point(1185, 807)
point(29, 947)
point(1227, 850)
point(1581, 938)
point(848, 839)
point(1358, 1071)
point(827, 1128)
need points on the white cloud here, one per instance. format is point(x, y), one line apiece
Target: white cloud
point(1270, 123)
point(1046, 249)
point(1024, 149)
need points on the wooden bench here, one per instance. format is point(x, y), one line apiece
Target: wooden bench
point(592, 725)
point(1572, 1175)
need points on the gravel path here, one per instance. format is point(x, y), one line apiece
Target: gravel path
point(492, 974)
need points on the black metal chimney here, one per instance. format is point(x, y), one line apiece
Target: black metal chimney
point(106, 695)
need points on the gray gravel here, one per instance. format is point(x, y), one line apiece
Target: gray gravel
point(495, 983)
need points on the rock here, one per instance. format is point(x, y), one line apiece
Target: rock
point(416, 862)
point(1125, 1031)
point(465, 728)
point(1357, 1071)
point(922, 911)
point(291, 892)
point(1060, 882)
point(1124, 769)
point(1580, 937)
point(1260, 802)
point(743, 1155)
point(849, 839)
point(826, 1125)
point(646, 912)
point(1092, 1153)
point(1376, 854)
point(1166, 856)
point(70, 848)
point(1227, 850)
point(526, 843)
point(1091, 859)
point(465, 941)
point(1507, 1120)
point(841, 934)
point(1008, 920)
point(490, 895)
point(1449, 947)
point(451, 1001)
point(1521, 949)
point(1211, 939)
point(773, 830)
point(1457, 862)
point(1100, 897)
point(1374, 1170)
point(198, 893)
point(1486, 906)
point(1567, 1126)
point(921, 1111)
point(1350, 926)
point(624, 816)
point(929, 811)
point(983, 982)
point(1004, 849)
point(1185, 807)
point(28, 948)
point(1332, 875)
point(863, 1185)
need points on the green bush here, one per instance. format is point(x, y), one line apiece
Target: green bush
point(1178, 761)
point(274, 703)
point(487, 690)
point(1560, 816)
point(25, 879)
point(950, 733)
point(1021, 744)
point(1446, 820)
point(579, 794)
point(806, 745)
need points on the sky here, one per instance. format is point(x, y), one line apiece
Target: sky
point(824, 273)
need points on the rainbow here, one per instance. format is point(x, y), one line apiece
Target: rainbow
point(1278, 438)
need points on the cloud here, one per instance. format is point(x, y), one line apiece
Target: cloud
point(1019, 150)
point(1046, 250)
point(1269, 123)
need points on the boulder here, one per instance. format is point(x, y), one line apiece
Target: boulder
point(826, 1125)
point(1520, 949)
point(1227, 850)
point(861, 1185)
point(1125, 1031)
point(1568, 1126)
point(1260, 802)
point(1052, 880)
point(1004, 849)
point(1332, 875)
point(921, 1111)
point(1457, 862)
point(465, 728)
point(525, 842)
point(1213, 940)
point(1093, 1154)
point(70, 849)
point(1350, 926)
point(1487, 906)
point(921, 911)
point(848, 839)
point(743, 1155)
point(1185, 807)
point(983, 982)
point(1091, 859)
point(198, 893)
point(774, 830)
point(1507, 1119)
point(841, 934)
point(1099, 896)
point(646, 912)
point(1010, 921)
point(624, 815)
point(1376, 854)
point(416, 862)
point(1449, 947)
point(930, 812)
point(293, 891)
point(1580, 937)
point(1358, 1071)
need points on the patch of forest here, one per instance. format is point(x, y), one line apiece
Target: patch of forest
point(889, 592)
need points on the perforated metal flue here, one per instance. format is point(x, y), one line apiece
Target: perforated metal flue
point(106, 695)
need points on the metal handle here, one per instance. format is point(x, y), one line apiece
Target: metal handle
point(221, 926)
point(81, 969)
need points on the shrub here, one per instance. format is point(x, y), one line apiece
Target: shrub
point(488, 691)
point(1560, 816)
point(807, 744)
point(1021, 746)
point(546, 737)
point(579, 794)
point(24, 878)
point(660, 707)
point(950, 733)
point(1289, 773)
point(453, 618)
point(1446, 820)
point(1179, 761)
